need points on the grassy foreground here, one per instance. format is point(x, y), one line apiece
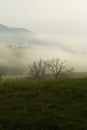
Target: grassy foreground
point(43, 105)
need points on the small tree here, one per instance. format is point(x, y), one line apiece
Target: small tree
point(58, 68)
point(38, 69)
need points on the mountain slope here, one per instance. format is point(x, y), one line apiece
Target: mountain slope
point(11, 35)
point(4, 28)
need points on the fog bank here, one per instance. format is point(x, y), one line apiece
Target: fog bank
point(15, 58)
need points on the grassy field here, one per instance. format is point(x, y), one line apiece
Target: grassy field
point(43, 105)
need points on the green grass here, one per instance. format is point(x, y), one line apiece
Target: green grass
point(43, 105)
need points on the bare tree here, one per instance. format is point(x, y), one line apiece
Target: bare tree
point(38, 69)
point(58, 68)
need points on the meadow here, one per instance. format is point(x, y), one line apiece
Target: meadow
point(43, 104)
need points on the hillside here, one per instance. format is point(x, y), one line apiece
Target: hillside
point(4, 28)
point(14, 35)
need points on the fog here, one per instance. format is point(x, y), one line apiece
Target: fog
point(59, 31)
point(22, 49)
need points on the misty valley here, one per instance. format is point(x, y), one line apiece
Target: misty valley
point(43, 81)
point(43, 64)
point(19, 47)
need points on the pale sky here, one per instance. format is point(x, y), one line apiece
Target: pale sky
point(58, 21)
point(46, 16)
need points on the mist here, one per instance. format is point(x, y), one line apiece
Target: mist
point(22, 49)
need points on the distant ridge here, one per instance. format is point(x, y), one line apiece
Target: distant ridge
point(15, 35)
point(4, 28)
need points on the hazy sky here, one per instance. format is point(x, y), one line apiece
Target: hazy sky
point(62, 22)
point(46, 16)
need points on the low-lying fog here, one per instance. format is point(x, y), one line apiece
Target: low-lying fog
point(16, 57)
